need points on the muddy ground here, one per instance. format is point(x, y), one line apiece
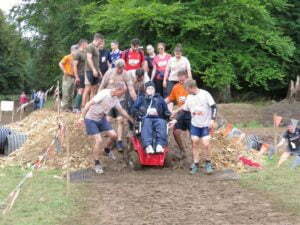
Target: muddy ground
point(173, 197)
point(166, 197)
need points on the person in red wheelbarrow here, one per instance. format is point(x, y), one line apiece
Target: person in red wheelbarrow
point(154, 112)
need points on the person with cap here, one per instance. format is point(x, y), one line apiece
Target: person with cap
point(292, 137)
point(154, 112)
point(68, 83)
point(110, 79)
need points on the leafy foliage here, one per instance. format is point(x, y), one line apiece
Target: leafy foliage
point(229, 42)
point(55, 26)
point(12, 58)
point(246, 44)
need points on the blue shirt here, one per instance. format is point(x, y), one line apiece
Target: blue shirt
point(114, 56)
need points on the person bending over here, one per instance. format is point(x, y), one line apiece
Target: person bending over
point(94, 117)
point(178, 96)
point(292, 136)
point(154, 111)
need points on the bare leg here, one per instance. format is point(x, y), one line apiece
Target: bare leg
point(97, 146)
point(86, 95)
point(206, 148)
point(177, 133)
point(94, 90)
point(120, 123)
point(283, 158)
point(195, 149)
point(112, 137)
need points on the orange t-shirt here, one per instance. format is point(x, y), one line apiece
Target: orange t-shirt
point(67, 63)
point(178, 94)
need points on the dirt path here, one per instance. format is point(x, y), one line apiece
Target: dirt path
point(166, 197)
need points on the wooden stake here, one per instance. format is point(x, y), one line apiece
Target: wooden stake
point(14, 198)
point(58, 98)
point(68, 159)
point(275, 129)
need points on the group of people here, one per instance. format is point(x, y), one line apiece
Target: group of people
point(131, 85)
point(38, 99)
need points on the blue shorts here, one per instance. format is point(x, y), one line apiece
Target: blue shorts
point(199, 131)
point(96, 127)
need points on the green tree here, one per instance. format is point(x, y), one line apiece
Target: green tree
point(13, 55)
point(289, 20)
point(229, 42)
point(54, 26)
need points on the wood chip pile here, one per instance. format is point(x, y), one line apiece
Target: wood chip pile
point(42, 126)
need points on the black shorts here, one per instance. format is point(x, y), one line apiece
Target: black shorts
point(81, 82)
point(90, 79)
point(184, 121)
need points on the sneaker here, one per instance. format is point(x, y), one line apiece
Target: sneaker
point(119, 146)
point(149, 149)
point(159, 149)
point(208, 168)
point(98, 169)
point(194, 169)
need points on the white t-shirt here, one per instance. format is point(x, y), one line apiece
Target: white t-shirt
point(200, 107)
point(176, 65)
point(104, 102)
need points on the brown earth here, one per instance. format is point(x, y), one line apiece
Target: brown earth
point(171, 197)
point(166, 197)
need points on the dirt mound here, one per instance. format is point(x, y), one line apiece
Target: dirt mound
point(41, 128)
point(259, 114)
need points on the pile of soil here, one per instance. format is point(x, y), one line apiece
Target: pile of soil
point(41, 128)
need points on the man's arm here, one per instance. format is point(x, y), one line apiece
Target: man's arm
point(86, 108)
point(282, 141)
point(104, 81)
point(166, 75)
point(132, 92)
point(189, 70)
point(75, 64)
point(153, 73)
point(91, 64)
point(123, 113)
point(61, 65)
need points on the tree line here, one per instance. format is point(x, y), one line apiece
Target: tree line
point(246, 46)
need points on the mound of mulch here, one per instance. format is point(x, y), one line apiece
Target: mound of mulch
point(41, 128)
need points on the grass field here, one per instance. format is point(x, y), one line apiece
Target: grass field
point(42, 201)
point(279, 184)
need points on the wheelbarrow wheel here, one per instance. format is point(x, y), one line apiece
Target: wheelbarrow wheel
point(170, 159)
point(133, 161)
